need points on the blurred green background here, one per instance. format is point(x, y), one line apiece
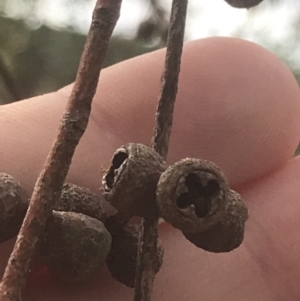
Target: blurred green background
point(41, 40)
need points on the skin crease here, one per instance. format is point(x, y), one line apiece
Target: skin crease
point(238, 106)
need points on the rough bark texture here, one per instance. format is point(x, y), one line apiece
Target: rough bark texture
point(147, 250)
point(74, 122)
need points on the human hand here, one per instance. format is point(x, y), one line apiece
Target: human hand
point(237, 106)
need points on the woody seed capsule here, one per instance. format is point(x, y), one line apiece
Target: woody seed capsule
point(122, 258)
point(243, 3)
point(130, 182)
point(13, 206)
point(192, 195)
point(228, 234)
point(74, 246)
point(81, 200)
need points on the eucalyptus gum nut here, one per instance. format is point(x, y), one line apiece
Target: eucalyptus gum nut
point(74, 246)
point(228, 234)
point(129, 184)
point(81, 200)
point(13, 206)
point(122, 258)
point(192, 195)
point(243, 3)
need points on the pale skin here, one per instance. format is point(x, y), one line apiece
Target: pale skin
point(250, 130)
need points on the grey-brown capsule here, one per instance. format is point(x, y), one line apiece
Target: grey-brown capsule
point(13, 206)
point(74, 246)
point(81, 200)
point(243, 3)
point(228, 234)
point(130, 182)
point(122, 258)
point(192, 195)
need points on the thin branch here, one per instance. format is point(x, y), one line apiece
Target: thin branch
point(163, 124)
point(74, 122)
point(169, 84)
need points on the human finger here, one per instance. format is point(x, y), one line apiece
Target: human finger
point(237, 106)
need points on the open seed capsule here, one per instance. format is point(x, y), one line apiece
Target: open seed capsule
point(192, 195)
point(130, 182)
point(228, 234)
point(13, 206)
point(74, 246)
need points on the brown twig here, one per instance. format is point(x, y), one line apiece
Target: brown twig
point(163, 124)
point(74, 122)
point(169, 84)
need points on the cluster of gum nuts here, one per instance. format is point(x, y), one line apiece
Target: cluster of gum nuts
point(192, 195)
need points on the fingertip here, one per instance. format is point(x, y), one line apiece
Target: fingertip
point(238, 105)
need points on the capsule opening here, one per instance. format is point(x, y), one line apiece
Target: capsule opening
point(117, 161)
point(198, 195)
